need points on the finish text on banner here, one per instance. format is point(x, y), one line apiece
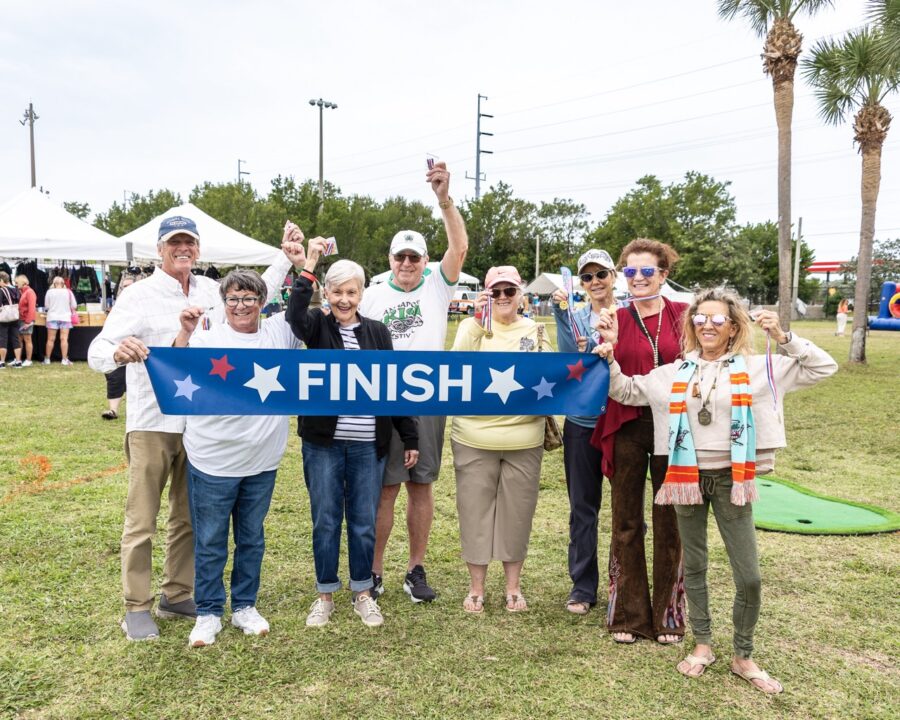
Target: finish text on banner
point(210, 381)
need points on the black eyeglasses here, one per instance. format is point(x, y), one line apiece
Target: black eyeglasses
point(648, 271)
point(248, 300)
point(588, 278)
point(718, 319)
point(400, 257)
point(510, 292)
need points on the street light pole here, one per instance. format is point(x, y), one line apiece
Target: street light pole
point(322, 105)
point(29, 118)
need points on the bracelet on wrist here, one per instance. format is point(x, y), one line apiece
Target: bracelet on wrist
point(444, 204)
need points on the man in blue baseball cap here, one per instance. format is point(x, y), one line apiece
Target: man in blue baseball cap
point(148, 315)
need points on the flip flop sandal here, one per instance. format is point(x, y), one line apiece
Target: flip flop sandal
point(109, 415)
point(695, 660)
point(625, 642)
point(578, 607)
point(477, 602)
point(514, 600)
point(751, 675)
point(669, 642)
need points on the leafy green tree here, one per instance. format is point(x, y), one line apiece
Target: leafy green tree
point(140, 209)
point(79, 210)
point(562, 228)
point(773, 19)
point(238, 206)
point(760, 242)
point(885, 268)
point(852, 75)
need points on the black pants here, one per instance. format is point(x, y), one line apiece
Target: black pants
point(584, 481)
point(115, 383)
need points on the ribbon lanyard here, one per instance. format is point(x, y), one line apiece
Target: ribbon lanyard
point(570, 304)
point(487, 317)
point(770, 371)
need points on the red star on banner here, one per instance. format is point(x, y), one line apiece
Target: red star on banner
point(576, 371)
point(221, 367)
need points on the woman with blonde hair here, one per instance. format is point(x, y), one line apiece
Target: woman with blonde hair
point(60, 304)
point(718, 416)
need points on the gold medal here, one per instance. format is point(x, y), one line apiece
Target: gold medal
point(704, 416)
point(564, 305)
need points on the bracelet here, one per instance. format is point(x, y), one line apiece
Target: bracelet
point(308, 275)
point(444, 204)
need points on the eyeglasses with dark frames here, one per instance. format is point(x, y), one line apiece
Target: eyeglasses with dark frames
point(510, 292)
point(400, 257)
point(588, 278)
point(233, 301)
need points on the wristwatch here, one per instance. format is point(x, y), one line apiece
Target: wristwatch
point(444, 204)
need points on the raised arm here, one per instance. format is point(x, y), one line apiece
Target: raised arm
point(454, 225)
point(303, 321)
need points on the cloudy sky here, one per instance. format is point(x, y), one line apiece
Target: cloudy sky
point(586, 96)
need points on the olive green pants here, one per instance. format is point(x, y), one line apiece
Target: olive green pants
point(737, 531)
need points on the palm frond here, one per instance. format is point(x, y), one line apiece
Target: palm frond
point(807, 7)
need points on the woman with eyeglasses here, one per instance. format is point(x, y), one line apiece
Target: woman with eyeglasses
point(648, 334)
point(232, 462)
point(581, 460)
point(719, 418)
point(497, 459)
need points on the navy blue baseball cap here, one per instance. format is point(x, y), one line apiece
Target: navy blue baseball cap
point(177, 225)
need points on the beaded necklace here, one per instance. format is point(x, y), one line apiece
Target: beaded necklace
point(654, 344)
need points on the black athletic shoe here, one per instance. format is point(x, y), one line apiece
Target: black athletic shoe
point(377, 586)
point(416, 586)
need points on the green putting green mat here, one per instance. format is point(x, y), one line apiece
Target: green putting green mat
point(785, 507)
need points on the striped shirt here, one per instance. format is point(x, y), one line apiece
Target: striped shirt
point(358, 428)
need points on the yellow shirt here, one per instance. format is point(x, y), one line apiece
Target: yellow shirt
point(499, 432)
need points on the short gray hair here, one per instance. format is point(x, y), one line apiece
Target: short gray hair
point(247, 280)
point(344, 271)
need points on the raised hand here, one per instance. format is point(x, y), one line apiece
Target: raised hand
point(560, 296)
point(292, 244)
point(768, 321)
point(439, 177)
point(189, 318)
point(604, 350)
point(608, 325)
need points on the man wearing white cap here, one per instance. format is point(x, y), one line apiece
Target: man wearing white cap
point(148, 315)
point(413, 305)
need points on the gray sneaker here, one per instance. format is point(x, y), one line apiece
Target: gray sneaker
point(367, 608)
point(184, 610)
point(140, 626)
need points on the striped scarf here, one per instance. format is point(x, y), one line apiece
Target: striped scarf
point(682, 483)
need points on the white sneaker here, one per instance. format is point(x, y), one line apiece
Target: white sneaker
point(320, 613)
point(205, 630)
point(66, 361)
point(250, 621)
point(368, 610)
point(26, 363)
point(46, 361)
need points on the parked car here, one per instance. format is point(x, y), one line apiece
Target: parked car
point(463, 302)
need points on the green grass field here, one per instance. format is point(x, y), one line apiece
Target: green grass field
point(829, 628)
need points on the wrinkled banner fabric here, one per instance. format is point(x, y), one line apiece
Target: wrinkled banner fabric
point(210, 381)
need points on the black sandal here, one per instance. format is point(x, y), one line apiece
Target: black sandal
point(109, 415)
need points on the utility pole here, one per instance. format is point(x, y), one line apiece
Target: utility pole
point(322, 105)
point(478, 150)
point(241, 172)
point(29, 118)
point(795, 291)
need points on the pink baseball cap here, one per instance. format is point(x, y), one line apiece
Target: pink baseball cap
point(503, 273)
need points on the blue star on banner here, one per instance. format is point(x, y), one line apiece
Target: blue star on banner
point(370, 382)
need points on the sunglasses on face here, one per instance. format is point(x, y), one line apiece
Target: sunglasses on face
point(648, 271)
point(248, 300)
point(400, 257)
point(718, 320)
point(588, 278)
point(510, 292)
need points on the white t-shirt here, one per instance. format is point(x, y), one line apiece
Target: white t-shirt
point(239, 445)
point(59, 303)
point(417, 320)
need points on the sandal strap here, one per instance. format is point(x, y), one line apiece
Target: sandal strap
point(704, 660)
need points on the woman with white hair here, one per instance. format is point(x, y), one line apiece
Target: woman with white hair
point(343, 456)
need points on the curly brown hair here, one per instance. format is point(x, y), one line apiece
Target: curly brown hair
point(666, 257)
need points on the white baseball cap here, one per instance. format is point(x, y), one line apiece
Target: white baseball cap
point(408, 240)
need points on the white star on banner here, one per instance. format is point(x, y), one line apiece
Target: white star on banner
point(544, 388)
point(186, 388)
point(503, 383)
point(265, 381)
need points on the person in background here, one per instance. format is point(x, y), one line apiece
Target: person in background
point(649, 330)
point(115, 381)
point(581, 460)
point(716, 420)
point(343, 456)
point(27, 316)
point(9, 330)
point(232, 464)
point(60, 304)
point(497, 459)
point(842, 313)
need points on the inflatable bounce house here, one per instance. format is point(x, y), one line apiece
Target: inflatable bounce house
point(889, 309)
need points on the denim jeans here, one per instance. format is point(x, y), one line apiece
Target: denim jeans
point(343, 480)
point(215, 503)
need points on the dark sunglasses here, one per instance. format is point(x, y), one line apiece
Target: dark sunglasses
point(400, 257)
point(588, 278)
point(647, 271)
point(718, 320)
point(510, 292)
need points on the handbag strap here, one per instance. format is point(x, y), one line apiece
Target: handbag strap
point(8, 296)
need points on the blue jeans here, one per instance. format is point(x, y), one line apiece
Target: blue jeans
point(215, 502)
point(344, 479)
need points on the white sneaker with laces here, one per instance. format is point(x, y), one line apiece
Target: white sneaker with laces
point(26, 363)
point(66, 361)
point(205, 630)
point(46, 361)
point(250, 621)
point(319, 613)
point(368, 610)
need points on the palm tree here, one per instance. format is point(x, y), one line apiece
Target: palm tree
point(886, 15)
point(773, 19)
point(854, 75)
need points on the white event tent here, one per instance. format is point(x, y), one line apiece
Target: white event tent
point(33, 226)
point(219, 244)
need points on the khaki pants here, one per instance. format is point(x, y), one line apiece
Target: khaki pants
point(152, 458)
point(496, 496)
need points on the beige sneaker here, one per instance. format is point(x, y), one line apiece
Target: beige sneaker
point(367, 608)
point(319, 613)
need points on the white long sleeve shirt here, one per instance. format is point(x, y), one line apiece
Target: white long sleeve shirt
point(149, 311)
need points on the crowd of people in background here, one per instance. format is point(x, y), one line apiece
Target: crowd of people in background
point(687, 411)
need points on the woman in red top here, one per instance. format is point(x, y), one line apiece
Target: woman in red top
point(649, 335)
